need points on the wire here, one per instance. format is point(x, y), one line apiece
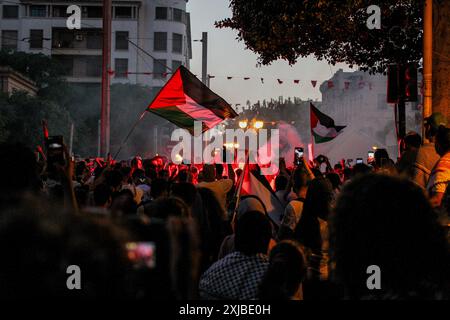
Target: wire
point(154, 59)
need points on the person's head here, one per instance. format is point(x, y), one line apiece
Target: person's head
point(113, 178)
point(432, 124)
point(123, 203)
point(317, 205)
point(253, 233)
point(334, 179)
point(209, 173)
point(360, 169)
point(381, 157)
point(300, 180)
point(164, 208)
point(185, 191)
point(442, 141)
point(286, 272)
point(411, 142)
point(183, 175)
point(102, 195)
point(139, 177)
point(164, 174)
point(281, 182)
point(39, 242)
point(388, 222)
point(159, 189)
point(219, 171)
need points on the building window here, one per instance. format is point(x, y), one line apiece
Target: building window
point(59, 11)
point(121, 68)
point(160, 41)
point(38, 11)
point(9, 39)
point(123, 13)
point(121, 40)
point(177, 15)
point(62, 38)
point(159, 68)
point(94, 39)
point(177, 43)
point(161, 13)
point(93, 66)
point(92, 12)
point(10, 12)
point(175, 65)
point(36, 39)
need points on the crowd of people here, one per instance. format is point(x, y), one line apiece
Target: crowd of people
point(151, 229)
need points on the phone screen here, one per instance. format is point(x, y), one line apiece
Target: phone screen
point(55, 152)
point(370, 154)
point(298, 155)
point(359, 160)
point(141, 254)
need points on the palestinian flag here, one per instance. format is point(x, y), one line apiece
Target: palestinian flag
point(185, 99)
point(323, 128)
point(257, 185)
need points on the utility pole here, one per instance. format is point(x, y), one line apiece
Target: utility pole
point(106, 67)
point(205, 79)
point(428, 58)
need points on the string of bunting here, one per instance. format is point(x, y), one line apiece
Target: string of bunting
point(330, 83)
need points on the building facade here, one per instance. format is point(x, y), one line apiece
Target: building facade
point(160, 27)
point(12, 81)
point(359, 101)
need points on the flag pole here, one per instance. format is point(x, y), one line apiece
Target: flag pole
point(238, 191)
point(129, 134)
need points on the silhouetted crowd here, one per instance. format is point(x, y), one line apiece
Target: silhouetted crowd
point(152, 229)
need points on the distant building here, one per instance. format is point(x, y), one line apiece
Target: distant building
point(161, 27)
point(12, 81)
point(358, 100)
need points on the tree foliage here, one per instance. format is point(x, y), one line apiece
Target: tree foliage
point(331, 30)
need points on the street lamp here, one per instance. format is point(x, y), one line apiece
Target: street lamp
point(243, 124)
point(258, 124)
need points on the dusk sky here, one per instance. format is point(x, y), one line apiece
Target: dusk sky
point(228, 57)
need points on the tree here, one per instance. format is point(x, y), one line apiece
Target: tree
point(332, 30)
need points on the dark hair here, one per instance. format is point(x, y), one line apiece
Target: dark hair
point(46, 240)
point(281, 182)
point(253, 233)
point(379, 155)
point(443, 139)
point(164, 208)
point(185, 191)
point(300, 179)
point(102, 193)
point(334, 179)
point(287, 270)
point(317, 204)
point(360, 169)
point(183, 175)
point(388, 222)
point(123, 203)
point(413, 139)
point(158, 187)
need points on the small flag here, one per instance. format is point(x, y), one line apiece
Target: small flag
point(211, 77)
point(246, 78)
point(323, 128)
point(280, 81)
point(296, 81)
point(262, 80)
point(255, 184)
point(45, 129)
point(229, 78)
point(184, 99)
point(314, 83)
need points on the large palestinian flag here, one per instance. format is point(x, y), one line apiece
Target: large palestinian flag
point(185, 99)
point(323, 128)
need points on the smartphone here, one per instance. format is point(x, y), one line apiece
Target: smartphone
point(141, 254)
point(298, 155)
point(55, 152)
point(371, 154)
point(359, 160)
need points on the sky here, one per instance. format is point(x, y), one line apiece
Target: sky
point(229, 57)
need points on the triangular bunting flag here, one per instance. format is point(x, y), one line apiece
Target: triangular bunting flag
point(296, 81)
point(185, 99)
point(246, 78)
point(323, 128)
point(280, 81)
point(314, 83)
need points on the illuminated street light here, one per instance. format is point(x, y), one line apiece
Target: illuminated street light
point(243, 124)
point(258, 124)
